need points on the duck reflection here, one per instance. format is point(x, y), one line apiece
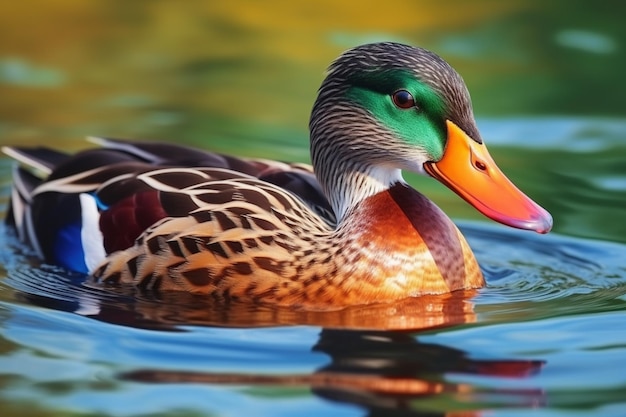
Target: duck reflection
point(376, 358)
point(388, 373)
point(168, 310)
point(392, 371)
point(132, 307)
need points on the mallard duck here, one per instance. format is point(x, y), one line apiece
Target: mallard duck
point(348, 230)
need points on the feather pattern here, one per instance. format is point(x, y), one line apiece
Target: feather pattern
point(346, 230)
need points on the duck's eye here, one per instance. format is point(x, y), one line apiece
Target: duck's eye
point(403, 99)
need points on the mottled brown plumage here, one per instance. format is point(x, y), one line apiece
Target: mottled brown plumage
point(239, 251)
point(346, 231)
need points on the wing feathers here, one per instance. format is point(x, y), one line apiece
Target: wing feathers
point(120, 194)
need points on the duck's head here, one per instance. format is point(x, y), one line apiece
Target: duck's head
point(387, 107)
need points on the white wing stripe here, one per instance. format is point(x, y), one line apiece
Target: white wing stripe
point(90, 234)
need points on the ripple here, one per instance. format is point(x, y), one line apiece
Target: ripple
point(531, 276)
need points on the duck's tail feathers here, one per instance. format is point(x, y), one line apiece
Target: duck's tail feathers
point(24, 182)
point(36, 164)
point(40, 158)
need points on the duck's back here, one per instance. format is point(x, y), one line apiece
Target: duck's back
point(100, 201)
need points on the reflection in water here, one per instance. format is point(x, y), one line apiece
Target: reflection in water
point(49, 287)
point(186, 309)
point(400, 369)
point(387, 372)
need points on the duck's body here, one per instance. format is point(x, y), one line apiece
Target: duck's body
point(237, 253)
point(169, 218)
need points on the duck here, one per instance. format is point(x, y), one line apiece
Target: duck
point(345, 230)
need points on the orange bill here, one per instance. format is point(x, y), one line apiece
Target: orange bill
point(468, 169)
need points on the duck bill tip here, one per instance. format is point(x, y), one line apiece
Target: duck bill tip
point(536, 218)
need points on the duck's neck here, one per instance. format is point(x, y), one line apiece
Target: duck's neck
point(347, 186)
point(347, 167)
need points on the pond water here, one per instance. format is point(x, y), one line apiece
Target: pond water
point(547, 336)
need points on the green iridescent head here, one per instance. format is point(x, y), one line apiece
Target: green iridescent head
point(393, 93)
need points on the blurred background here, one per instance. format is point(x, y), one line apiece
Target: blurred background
point(241, 77)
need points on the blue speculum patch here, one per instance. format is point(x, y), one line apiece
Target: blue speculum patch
point(68, 248)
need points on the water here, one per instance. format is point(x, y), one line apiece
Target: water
point(550, 318)
point(546, 337)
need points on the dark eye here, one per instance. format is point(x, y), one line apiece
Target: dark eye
point(403, 99)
